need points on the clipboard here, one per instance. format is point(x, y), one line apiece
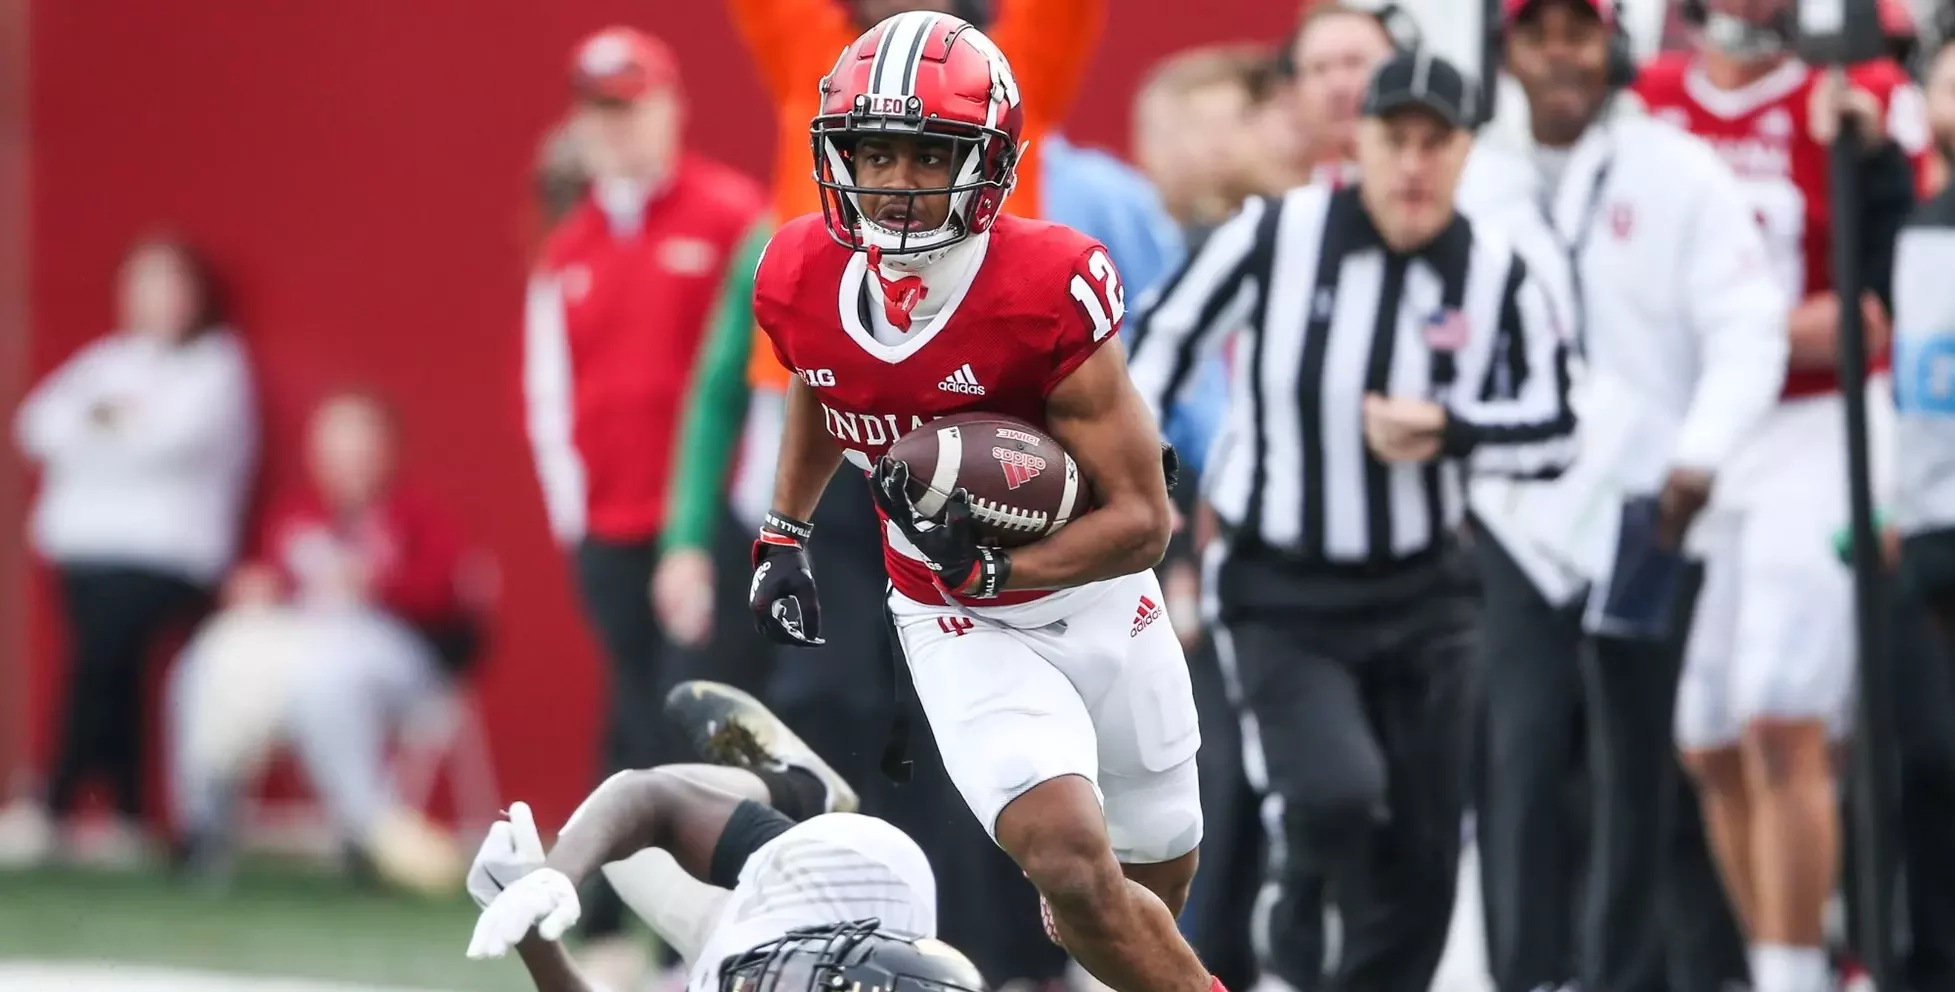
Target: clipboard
point(1637, 600)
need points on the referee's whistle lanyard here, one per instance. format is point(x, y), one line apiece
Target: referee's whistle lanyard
point(1575, 245)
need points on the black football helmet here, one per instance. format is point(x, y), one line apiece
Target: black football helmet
point(848, 956)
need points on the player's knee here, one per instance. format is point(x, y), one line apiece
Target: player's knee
point(1783, 751)
point(1075, 872)
point(1718, 770)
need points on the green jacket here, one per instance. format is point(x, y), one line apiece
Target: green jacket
point(716, 406)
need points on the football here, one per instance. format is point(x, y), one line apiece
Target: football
point(1023, 485)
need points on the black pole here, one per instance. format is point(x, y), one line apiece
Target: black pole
point(1489, 58)
point(1873, 739)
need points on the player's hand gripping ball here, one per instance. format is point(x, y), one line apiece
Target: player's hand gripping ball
point(1021, 484)
point(948, 538)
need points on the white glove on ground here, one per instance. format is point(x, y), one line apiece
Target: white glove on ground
point(543, 899)
point(512, 850)
point(520, 894)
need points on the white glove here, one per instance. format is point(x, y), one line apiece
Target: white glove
point(512, 849)
point(543, 899)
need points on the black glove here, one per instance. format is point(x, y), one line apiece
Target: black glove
point(782, 597)
point(1170, 465)
point(948, 540)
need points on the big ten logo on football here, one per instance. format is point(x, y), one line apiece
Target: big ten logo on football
point(818, 377)
point(1924, 374)
point(955, 626)
point(1101, 296)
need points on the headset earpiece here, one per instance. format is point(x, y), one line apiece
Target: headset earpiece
point(1622, 59)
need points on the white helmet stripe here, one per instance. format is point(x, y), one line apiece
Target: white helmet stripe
point(900, 51)
point(882, 59)
point(913, 61)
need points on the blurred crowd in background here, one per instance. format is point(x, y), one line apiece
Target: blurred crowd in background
point(329, 636)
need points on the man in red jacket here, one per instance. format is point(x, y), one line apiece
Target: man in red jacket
point(618, 306)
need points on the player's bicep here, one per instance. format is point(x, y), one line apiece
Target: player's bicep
point(1102, 422)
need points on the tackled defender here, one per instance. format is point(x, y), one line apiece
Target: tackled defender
point(713, 858)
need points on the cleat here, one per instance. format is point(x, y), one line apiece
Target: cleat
point(729, 727)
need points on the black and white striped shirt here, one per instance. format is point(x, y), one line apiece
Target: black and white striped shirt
point(1328, 314)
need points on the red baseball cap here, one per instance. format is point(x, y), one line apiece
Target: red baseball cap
point(622, 64)
point(1510, 10)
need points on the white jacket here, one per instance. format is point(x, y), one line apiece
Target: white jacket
point(1681, 320)
point(160, 484)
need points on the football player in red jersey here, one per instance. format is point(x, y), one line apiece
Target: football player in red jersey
point(1769, 671)
point(1063, 711)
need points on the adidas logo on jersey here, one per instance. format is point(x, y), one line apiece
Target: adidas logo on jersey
point(1145, 614)
point(962, 381)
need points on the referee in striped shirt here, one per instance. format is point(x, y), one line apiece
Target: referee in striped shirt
point(1389, 349)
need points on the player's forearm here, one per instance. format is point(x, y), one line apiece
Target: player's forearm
point(550, 967)
point(1813, 330)
point(809, 456)
point(618, 820)
point(1810, 329)
point(1118, 539)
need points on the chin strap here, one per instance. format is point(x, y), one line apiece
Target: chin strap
point(899, 296)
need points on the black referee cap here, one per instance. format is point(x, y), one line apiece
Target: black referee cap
point(1423, 80)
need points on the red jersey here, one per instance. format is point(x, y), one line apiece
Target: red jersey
point(1762, 132)
point(1042, 299)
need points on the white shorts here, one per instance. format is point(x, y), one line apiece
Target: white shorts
point(1091, 682)
point(833, 868)
point(1773, 631)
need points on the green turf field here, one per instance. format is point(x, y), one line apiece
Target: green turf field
point(271, 922)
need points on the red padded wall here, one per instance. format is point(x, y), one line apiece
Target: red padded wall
point(360, 168)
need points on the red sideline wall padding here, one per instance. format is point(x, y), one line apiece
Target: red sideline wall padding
point(360, 168)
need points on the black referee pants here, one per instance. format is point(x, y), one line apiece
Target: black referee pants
point(1614, 907)
point(1360, 719)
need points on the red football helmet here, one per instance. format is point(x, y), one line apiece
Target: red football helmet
point(919, 74)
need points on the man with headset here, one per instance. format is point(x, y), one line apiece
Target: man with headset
point(1675, 310)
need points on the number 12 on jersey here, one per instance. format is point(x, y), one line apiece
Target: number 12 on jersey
point(1106, 302)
